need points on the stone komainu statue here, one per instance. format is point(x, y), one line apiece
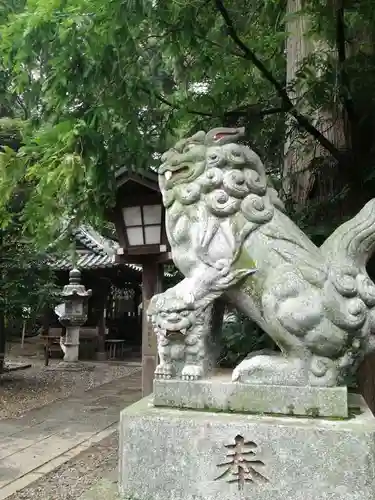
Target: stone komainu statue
point(231, 238)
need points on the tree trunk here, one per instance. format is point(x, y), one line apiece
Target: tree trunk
point(302, 153)
point(306, 176)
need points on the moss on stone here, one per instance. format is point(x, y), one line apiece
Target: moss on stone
point(244, 261)
point(313, 413)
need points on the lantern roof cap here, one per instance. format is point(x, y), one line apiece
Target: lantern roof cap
point(145, 177)
point(75, 290)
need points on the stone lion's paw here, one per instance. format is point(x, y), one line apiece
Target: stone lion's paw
point(236, 375)
point(243, 369)
point(164, 371)
point(192, 372)
point(240, 369)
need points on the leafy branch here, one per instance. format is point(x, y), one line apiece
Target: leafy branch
point(249, 55)
point(250, 110)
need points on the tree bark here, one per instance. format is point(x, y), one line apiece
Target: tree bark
point(301, 150)
point(302, 155)
point(105, 286)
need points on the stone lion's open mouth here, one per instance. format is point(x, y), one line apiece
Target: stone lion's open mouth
point(176, 333)
point(168, 174)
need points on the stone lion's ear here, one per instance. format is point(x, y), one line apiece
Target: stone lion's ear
point(233, 277)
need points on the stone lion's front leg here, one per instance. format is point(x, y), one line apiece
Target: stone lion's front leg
point(195, 357)
point(192, 372)
point(165, 368)
point(170, 328)
point(198, 346)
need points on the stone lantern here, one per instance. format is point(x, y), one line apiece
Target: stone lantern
point(73, 314)
point(139, 218)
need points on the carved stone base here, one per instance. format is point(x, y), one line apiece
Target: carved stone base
point(220, 394)
point(198, 455)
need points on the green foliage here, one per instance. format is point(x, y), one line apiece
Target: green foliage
point(88, 86)
point(240, 337)
point(99, 85)
point(25, 280)
point(110, 84)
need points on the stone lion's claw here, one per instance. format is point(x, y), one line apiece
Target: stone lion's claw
point(164, 371)
point(192, 372)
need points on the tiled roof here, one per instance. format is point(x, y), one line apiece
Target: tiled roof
point(88, 260)
point(99, 252)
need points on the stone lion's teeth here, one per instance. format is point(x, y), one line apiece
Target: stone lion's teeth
point(168, 175)
point(183, 331)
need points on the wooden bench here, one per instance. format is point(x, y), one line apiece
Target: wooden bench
point(51, 343)
point(88, 342)
point(115, 348)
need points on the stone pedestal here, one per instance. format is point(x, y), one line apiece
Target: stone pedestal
point(221, 394)
point(174, 454)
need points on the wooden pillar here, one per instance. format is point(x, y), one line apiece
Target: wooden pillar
point(105, 287)
point(46, 320)
point(101, 354)
point(151, 284)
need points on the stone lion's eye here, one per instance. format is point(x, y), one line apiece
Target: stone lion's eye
point(184, 313)
point(213, 157)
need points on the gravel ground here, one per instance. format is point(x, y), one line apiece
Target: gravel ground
point(37, 386)
point(73, 478)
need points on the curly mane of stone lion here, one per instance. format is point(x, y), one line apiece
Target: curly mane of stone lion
point(227, 177)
